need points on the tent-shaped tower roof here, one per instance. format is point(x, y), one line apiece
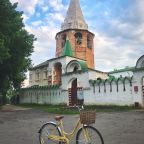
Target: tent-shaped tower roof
point(74, 18)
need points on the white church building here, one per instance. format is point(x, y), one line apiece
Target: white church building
point(72, 74)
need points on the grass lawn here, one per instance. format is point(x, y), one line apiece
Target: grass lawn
point(63, 109)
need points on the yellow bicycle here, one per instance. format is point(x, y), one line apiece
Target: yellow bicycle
point(52, 132)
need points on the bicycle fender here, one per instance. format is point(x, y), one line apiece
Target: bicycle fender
point(82, 126)
point(53, 123)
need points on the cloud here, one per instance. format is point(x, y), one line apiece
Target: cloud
point(119, 30)
point(27, 6)
point(45, 8)
point(42, 18)
point(55, 17)
point(118, 26)
point(44, 47)
point(57, 5)
point(25, 18)
point(111, 53)
point(140, 10)
point(36, 23)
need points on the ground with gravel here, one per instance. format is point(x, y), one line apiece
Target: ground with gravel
point(20, 126)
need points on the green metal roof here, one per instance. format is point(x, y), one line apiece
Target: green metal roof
point(111, 77)
point(122, 70)
point(139, 69)
point(83, 65)
point(42, 87)
point(110, 80)
point(67, 49)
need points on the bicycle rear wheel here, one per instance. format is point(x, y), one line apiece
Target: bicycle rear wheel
point(89, 135)
point(47, 130)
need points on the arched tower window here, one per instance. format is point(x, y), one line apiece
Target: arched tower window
point(78, 38)
point(63, 40)
point(57, 73)
point(89, 41)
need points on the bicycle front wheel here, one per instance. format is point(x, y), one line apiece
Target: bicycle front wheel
point(89, 135)
point(48, 130)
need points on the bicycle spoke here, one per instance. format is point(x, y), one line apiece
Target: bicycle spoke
point(47, 134)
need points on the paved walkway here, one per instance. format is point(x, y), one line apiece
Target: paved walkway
point(20, 126)
point(11, 108)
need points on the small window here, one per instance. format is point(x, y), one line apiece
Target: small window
point(30, 77)
point(70, 24)
point(37, 75)
point(78, 37)
point(89, 41)
point(75, 69)
point(45, 74)
point(99, 79)
point(63, 40)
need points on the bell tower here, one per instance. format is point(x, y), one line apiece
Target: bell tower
point(81, 39)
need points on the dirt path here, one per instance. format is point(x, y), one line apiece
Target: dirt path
point(20, 126)
point(11, 108)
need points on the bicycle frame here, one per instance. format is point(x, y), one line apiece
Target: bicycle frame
point(66, 137)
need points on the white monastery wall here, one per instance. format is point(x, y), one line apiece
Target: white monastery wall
point(82, 80)
point(138, 76)
point(94, 94)
point(95, 74)
point(43, 96)
point(118, 94)
point(42, 80)
point(64, 61)
point(120, 91)
point(34, 80)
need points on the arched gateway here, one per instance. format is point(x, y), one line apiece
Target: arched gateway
point(75, 92)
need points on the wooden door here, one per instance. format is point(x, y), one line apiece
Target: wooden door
point(73, 93)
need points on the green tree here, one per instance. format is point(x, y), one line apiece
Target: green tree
point(16, 46)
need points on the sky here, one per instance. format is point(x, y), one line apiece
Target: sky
point(118, 26)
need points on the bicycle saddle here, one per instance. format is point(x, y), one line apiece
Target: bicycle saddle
point(58, 118)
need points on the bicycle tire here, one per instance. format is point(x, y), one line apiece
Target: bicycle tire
point(47, 129)
point(95, 136)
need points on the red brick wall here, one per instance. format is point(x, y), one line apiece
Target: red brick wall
point(57, 74)
point(80, 51)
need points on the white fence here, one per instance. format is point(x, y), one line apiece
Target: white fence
point(43, 95)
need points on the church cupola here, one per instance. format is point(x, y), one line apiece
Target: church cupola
point(81, 40)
